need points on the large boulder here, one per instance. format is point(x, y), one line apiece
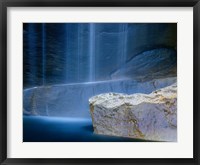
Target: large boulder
point(145, 116)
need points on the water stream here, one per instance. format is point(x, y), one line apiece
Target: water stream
point(43, 54)
point(92, 52)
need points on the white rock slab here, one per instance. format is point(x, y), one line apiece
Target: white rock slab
point(144, 116)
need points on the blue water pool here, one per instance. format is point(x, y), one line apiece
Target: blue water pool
point(56, 129)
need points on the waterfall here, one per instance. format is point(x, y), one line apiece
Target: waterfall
point(32, 50)
point(78, 51)
point(91, 52)
point(43, 54)
point(44, 66)
point(124, 29)
point(66, 52)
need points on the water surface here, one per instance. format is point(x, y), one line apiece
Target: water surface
point(56, 129)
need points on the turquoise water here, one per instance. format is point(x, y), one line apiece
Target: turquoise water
point(52, 129)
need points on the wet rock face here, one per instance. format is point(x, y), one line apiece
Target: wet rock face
point(145, 116)
point(71, 100)
point(152, 64)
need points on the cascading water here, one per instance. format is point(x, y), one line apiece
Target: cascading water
point(91, 52)
point(43, 54)
point(78, 53)
point(44, 65)
point(123, 38)
point(31, 52)
point(66, 53)
point(63, 53)
point(72, 51)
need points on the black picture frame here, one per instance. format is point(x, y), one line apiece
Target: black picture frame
point(97, 3)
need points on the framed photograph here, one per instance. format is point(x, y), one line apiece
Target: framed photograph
point(99, 82)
